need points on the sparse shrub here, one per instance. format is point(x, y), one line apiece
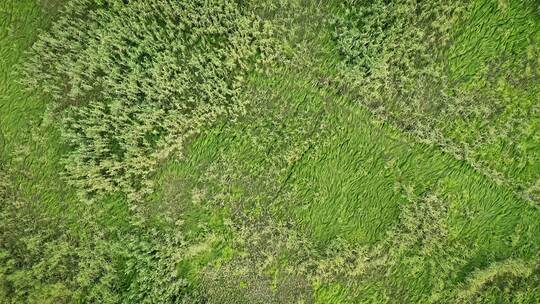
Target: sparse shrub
point(420, 253)
point(33, 248)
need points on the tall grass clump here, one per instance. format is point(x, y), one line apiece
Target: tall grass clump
point(132, 80)
point(392, 60)
point(391, 48)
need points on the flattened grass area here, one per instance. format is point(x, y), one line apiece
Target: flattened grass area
point(496, 54)
point(19, 28)
point(304, 154)
point(29, 143)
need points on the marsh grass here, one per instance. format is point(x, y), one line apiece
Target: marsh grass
point(294, 194)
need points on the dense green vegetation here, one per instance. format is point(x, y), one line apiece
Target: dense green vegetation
point(137, 79)
point(461, 75)
point(273, 151)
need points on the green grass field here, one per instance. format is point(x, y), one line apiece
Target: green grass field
point(300, 191)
